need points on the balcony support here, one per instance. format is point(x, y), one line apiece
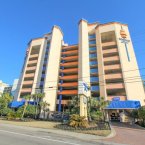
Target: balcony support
point(60, 99)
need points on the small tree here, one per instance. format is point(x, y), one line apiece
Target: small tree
point(44, 106)
point(141, 114)
point(74, 105)
point(134, 114)
point(96, 108)
point(5, 99)
point(38, 97)
point(27, 98)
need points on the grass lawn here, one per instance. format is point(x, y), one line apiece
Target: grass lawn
point(51, 125)
point(38, 124)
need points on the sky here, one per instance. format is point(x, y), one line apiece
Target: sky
point(22, 20)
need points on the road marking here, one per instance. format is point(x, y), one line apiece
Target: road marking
point(54, 140)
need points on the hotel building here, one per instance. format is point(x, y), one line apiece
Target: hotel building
point(104, 59)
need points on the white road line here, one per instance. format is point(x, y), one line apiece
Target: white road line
point(39, 137)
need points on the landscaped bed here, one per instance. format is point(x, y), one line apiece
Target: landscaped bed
point(101, 129)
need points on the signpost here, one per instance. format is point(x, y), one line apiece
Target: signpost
point(83, 95)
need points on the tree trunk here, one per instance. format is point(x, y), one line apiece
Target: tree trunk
point(44, 114)
point(24, 111)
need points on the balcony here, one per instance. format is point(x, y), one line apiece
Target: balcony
point(122, 98)
point(27, 82)
point(69, 64)
point(69, 71)
point(115, 86)
point(95, 88)
point(33, 56)
point(113, 76)
point(111, 59)
point(69, 48)
point(72, 84)
point(94, 79)
point(108, 52)
point(92, 42)
point(112, 67)
point(29, 75)
point(69, 53)
point(92, 49)
point(43, 75)
point(112, 43)
point(93, 64)
point(68, 92)
point(63, 102)
point(92, 36)
point(70, 77)
point(31, 68)
point(32, 62)
point(93, 56)
point(94, 72)
point(70, 58)
point(26, 90)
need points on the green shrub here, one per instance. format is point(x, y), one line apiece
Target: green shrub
point(11, 115)
point(30, 111)
point(78, 121)
point(97, 115)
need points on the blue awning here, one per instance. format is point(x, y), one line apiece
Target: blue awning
point(16, 104)
point(130, 104)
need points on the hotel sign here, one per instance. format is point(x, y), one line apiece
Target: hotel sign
point(83, 88)
point(125, 41)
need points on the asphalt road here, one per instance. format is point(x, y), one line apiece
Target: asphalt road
point(18, 135)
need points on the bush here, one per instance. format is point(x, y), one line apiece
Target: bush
point(30, 111)
point(97, 115)
point(14, 115)
point(78, 121)
point(5, 111)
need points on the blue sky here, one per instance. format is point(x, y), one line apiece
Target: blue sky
point(21, 20)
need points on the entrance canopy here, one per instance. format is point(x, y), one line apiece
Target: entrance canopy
point(17, 104)
point(124, 105)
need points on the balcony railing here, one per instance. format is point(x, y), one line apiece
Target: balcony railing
point(92, 42)
point(92, 36)
point(93, 55)
point(94, 79)
point(68, 92)
point(93, 63)
point(92, 48)
point(72, 84)
point(95, 88)
point(93, 71)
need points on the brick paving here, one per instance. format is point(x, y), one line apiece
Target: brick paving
point(128, 134)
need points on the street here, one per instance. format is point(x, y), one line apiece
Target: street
point(18, 135)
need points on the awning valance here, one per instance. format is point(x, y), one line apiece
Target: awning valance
point(129, 104)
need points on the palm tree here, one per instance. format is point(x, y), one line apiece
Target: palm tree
point(27, 98)
point(100, 105)
point(74, 105)
point(38, 97)
point(44, 106)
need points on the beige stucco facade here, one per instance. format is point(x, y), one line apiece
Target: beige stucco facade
point(100, 60)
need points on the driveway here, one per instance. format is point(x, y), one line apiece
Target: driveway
point(128, 134)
